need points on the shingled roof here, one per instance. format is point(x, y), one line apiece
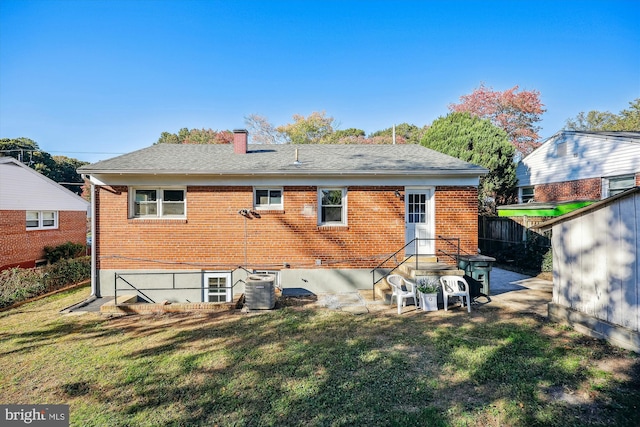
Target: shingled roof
point(313, 159)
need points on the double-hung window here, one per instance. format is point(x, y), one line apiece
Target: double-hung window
point(267, 198)
point(332, 204)
point(617, 184)
point(41, 220)
point(526, 194)
point(158, 203)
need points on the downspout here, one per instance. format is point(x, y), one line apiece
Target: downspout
point(94, 287)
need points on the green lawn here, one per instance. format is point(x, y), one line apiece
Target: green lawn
point(305, 366)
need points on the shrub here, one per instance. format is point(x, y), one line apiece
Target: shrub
point(19, 284)
point(529, 257)
point(547, 261)
point(64, 251)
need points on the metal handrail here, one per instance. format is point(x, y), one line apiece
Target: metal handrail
point(447, 240)
point(173, 285)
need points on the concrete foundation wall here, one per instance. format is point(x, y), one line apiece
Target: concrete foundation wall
point(186, 285)
point(594, 327)
point(327, 281)
point(160, 285)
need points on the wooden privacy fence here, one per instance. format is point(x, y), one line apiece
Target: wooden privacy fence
point(498, 233)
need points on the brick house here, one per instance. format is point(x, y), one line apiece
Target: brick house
point(573, 169)
point(196, 218)
point(35, 212)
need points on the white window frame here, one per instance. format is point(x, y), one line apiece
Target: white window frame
point(41, 220)
point(159, 202)
point(215, 294)
point(269, 205)
point(343, 214)
point(606, 184)
point(521, 195)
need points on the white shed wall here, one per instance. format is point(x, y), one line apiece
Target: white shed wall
point(596, 266)
point(587, 156)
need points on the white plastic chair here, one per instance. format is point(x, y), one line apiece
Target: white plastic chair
point(402, 290)
point(455, 286)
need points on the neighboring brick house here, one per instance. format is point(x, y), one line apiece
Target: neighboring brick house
point(321, 216)
point(35, 212)
point(573, 169)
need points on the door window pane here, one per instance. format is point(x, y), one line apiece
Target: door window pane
point(417, 208)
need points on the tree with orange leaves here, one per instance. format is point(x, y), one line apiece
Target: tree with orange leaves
point(516, 112)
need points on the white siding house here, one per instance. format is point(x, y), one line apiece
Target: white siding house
point(35, 212)
point(609, 161)
point(22, 188)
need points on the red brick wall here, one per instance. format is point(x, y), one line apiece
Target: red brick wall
point(22, 248)
point(583, 189)
point(457, 216)
point(213, 235)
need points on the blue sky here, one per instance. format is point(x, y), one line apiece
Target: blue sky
point(91, 78)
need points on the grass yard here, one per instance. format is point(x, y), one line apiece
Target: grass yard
point(307, 366)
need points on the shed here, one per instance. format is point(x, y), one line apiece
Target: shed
point(596, 272)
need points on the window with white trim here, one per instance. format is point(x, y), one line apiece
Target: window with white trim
point(332, 203)
point(42, 220)
point(158, 203)
point(526, 194)
point(617, 184)
point(217, 287)
point(267, 198)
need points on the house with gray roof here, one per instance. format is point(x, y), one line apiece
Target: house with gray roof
point(573, 169)
point(189, 222)
point(36, 212)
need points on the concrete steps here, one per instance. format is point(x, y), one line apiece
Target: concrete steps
point(426, 266)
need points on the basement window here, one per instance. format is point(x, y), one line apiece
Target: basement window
point(42, 220)
point(158, 203)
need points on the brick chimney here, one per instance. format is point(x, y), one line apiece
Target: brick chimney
point(240, 137)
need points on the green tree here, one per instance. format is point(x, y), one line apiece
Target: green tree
point(477, 141)
point(56, 168)
point(65, 171)
point(317, 128)
point(405, 134)
point(593, 121)
point(196, 136)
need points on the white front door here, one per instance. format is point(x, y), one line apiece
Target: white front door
point(217, 287)
point(419, 221)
